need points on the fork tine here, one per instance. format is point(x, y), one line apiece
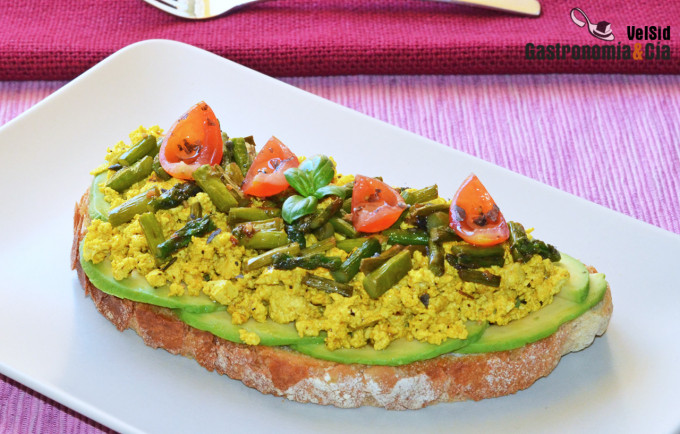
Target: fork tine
point(170, 6)
point(202, 9)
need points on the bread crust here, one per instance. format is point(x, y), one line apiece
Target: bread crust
point(283, 372)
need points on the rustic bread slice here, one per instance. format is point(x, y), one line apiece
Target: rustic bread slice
point(283, 372)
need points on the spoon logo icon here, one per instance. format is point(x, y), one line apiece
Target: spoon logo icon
point(601, 30)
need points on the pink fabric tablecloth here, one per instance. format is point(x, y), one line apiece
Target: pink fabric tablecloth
point(337, 37)
point(610, 139)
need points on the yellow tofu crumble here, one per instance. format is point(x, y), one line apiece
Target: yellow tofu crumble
point(215, 269)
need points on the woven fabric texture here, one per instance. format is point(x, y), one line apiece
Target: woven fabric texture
point(330, 37)
point(609, 139)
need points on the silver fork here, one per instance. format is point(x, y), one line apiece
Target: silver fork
point(202, 9)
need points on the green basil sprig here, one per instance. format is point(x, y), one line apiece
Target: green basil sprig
point(312, 181)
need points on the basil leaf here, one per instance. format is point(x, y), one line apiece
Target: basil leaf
point(300, 181)
point(297, 206)
point(328, 190)
point(320, 170)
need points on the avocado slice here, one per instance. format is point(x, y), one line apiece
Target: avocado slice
point(579, 294)
point(197, 311)
point(271, 333)
point(576, 288)
point(539, 324)
point(399, 352)
point(136, 288)
point(98, 207)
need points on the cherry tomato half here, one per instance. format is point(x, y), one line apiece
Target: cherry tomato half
point(375, 205)
point(265, 176)
point(475, 217)
point(193, 140)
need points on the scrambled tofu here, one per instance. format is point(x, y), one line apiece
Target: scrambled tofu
point(421, 306)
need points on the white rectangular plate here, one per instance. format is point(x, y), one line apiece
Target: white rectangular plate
point(54, 341)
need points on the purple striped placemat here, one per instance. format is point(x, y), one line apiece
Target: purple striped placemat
point(620, 131)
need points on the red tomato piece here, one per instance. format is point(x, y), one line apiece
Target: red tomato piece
point(193, 140)
point(375, 205)
point(475, 217)
point(266, 175)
